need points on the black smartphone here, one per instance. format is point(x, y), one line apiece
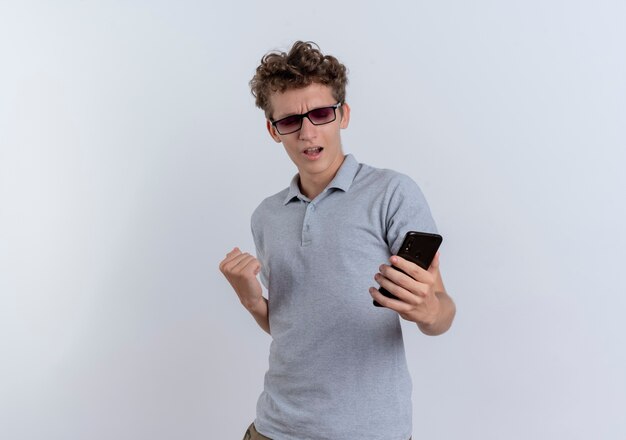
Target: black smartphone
point(419, 248)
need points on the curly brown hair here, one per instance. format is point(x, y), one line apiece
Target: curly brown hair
point(303, 65)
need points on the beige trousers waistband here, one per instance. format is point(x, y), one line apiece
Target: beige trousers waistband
point(253, 434)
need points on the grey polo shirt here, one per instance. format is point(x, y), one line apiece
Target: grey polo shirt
point(337, 367)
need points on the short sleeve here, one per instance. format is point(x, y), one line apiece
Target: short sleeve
point(407, 211)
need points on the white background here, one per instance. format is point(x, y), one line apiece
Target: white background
point(131, 158)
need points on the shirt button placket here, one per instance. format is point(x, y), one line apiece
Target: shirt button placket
point(306, 227)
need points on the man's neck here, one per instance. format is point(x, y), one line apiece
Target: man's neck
point(312, 185)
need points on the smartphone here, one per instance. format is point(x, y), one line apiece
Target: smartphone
point(419, 248)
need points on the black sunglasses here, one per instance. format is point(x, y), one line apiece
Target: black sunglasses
point(317, 116)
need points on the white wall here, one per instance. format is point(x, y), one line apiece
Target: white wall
point(131, 157)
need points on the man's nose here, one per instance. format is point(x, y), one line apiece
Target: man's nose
point(308, 130)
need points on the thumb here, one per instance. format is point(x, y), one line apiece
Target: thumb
point(434, 265)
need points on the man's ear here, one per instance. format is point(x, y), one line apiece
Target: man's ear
point(272, 131)
point(345, 115)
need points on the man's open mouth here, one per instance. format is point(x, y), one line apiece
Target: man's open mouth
point(313, 151)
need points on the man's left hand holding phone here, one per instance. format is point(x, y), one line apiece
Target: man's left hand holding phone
point(416, 290)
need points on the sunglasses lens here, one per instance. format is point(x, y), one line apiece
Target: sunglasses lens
point(289, 124)
point(318, 116)
point(322, 115)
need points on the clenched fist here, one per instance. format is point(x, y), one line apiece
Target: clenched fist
point(241, 270)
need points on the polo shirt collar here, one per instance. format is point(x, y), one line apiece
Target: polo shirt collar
point(342, 180)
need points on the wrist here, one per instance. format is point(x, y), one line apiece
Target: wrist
point(428, 328)
point(254, 305)
point(428, 324)
point(443, 318)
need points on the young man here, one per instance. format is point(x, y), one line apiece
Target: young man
point(337, 367)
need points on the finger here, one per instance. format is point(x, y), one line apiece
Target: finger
point(411, 285)
point(242, 261)
point(411, 269)
point(229, 256)
point(234, 261)
point(250, 266)
point(390, 303)
point(227, 262)
point(399, 278)
point(236, 251)
point(434, 265)
point(403, 294)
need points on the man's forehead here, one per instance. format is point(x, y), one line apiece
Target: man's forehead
point(295, 101)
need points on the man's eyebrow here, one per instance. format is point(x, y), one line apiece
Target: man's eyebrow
point(287, 115)
point(300, 114)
